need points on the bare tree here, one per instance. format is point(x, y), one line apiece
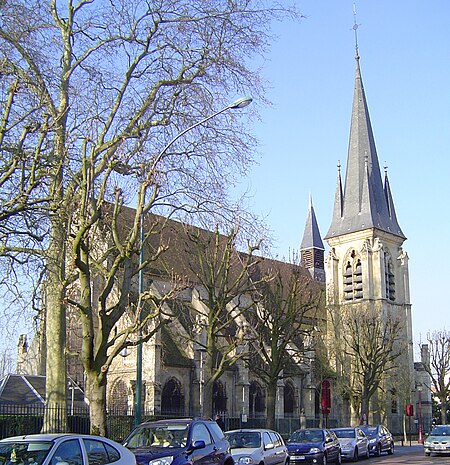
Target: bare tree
point(438, 367)
point(367, 347)
point(285, 322)
point(93, 96)
point(221, 276)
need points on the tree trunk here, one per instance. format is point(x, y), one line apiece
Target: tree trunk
point(271, 400)
point(55, 414)
point(97, 403)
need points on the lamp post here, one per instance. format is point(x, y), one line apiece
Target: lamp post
point(240, 103)
point(420, 435)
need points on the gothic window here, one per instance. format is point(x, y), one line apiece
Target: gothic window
point(172, 398)
point(256, 400)
point(389, 277)
point(219, 398)
point(353, 278)
point(118, 399)
point(289, 399)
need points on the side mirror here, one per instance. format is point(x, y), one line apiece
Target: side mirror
point(196, 445)
point(269, 446)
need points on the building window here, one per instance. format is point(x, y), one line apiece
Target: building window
point(219, 398)
point(172, 399)
point(289, 399)
point(353, 278)
point(118, 398)
point(257, 405)
point(389, 277)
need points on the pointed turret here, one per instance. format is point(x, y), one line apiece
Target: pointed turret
point(364, 203)
point(311, 248)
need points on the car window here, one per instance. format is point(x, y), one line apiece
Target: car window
point(266, 439)
point(275, 439)
point(100, 453)
point(24, 452)
point(201, 433)
point(68, 452)
point(216, 430)
point(360, 433)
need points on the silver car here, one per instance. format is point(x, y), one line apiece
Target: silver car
point(63, 449)
point(438, 441)
point(354, 443)
point(257, 447)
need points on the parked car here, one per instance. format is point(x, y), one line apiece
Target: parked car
point(63, 449)
point(179, 442)
point(314, 445)
point(438, 441)
point(354, 443)
point(257, 447)
point(380, 439)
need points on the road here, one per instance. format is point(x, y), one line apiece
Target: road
point(411, 455)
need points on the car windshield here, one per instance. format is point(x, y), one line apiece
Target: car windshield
point(440, 430)
point(24, 452)
point(344, 433)
point(306, 435)
point(170, 435)
point(244, 439)
point(369, 430)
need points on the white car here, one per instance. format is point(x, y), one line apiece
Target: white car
point(354, 443)
point(63, 449)
point(257, 447)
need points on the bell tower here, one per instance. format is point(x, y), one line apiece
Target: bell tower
point(366, 264)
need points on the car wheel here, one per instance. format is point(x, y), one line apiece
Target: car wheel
point(367, 456)
point(338, 459)
point(378, 450)
point(355, 457)
point(324, 459)
point(391, 449)
point(427, 454)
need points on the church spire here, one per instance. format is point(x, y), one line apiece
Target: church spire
point(311, 248)
point(365, 203)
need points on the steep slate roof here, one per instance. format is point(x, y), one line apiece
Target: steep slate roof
point(311, 236)
point(30, 390)
point(364, 203)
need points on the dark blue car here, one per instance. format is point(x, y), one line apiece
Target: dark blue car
point(179, 442)
point(314, 446)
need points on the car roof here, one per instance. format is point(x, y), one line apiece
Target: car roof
point(251, 430)
point(49, 437)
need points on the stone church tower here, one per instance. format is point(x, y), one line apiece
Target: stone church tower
point(366, 265)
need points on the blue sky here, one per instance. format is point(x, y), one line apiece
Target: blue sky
point(404, 47)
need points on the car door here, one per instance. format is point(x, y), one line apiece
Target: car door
point(268, 448)
point(362, 442)
point(280, 451)
point(332, 446)
point(206, 455)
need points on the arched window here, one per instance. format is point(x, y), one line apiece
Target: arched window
point(257, 405)
point(219, 398)
point(389, 277)
point(353, 277)
point(289, 399)
point(118, 398)
point(172, 399)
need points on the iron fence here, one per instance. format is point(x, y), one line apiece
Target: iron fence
point(17, 420)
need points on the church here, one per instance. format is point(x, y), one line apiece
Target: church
point(365, 268)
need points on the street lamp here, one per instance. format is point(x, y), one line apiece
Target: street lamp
point(240, 103)
point(420, 435)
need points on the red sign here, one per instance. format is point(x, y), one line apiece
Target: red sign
point(409, 410)
point(326, 397)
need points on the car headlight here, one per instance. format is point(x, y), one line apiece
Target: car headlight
point(371, 441)
point(246, 460)
point(161, 461)
point(427, 444)
point(314, 450)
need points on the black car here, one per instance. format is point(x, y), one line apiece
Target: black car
point(179, 442)
point(380, 439)
point(314, 446)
